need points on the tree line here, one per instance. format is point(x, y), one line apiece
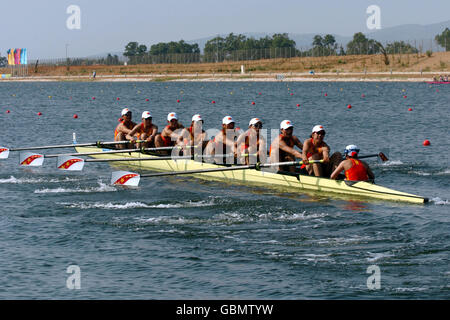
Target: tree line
point(240, 47)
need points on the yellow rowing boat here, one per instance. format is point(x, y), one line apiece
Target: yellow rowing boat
point(260, 177)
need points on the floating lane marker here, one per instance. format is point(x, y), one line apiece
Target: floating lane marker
point(31, 159)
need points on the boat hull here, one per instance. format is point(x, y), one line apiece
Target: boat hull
point(261, 177)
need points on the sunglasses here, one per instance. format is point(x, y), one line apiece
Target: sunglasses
point(258, 125)
point(322, 133)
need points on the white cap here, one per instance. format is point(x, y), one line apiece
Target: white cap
point(254, 121)
point(171, 116)
point(351, 150)
point(197, 117)
point(125, 111)
point(146, 114)
point(286, 124)
point(227, 120)
point(318, 128)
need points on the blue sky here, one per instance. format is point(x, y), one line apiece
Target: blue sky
point(107, 26)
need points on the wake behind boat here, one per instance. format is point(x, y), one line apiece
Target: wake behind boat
point(254, 177)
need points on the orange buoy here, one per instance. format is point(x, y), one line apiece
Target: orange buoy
point(75, 116)
point(253, 102)
point(213, 101)
point(298, 104)
point(178, 100)
point(326, 94)
point(146, 100)
point(426, 142)
point(349, 106)
point(118, 99)
point(7, 111)
point(292, 94)
point(410, 109)
point(405, 97)
point(93, 98)
point(39, 113)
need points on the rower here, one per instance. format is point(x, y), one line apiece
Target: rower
point(282, 147)
point(355, 169)
point(315, 148)
point(123, 128)
point(251, 145)
point(170, 134)
point(145, 130)
point(224, 143)
point(194, 136)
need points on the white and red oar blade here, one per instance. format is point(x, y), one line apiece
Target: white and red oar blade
point(70, 163)
point(31, 159)
point(4, 153)
point(125, 178)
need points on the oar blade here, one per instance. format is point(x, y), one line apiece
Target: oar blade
point(4, 153)
point(70, 163)
point(31, 159)
point(125, 178)
point(383, 155)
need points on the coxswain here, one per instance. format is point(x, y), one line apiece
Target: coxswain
point(315, 148)
point(123, 128)
point(355, 169)
point(145, 130)
point(251, 145)
point(282, 147)
point(171, 132)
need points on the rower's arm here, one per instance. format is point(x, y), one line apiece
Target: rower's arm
point(286, 148)
point(298, 143)
point(338, 170)
point(125, 130)
point(305, 149)
point(369, 172)
point(326, 153)
point(130, 135)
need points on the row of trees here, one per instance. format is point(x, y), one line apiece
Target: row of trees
point(239, 47)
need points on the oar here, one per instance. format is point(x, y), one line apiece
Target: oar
point(132, 179)
point(93, 153)
point(381, 155)
point(4, 152)
point(70, 163)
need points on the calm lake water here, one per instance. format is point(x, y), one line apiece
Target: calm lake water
point(183, 238)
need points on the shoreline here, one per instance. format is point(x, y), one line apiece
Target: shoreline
point(132, 79)
point(248, 77)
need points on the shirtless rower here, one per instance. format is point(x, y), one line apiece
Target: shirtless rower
point(315, 148)
point(170, 134)
point(251, 145)
point(355, 169)
point(225, 141)
point(282, 147)
point(194, 136)
point(145, 130)
point(123, 128)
